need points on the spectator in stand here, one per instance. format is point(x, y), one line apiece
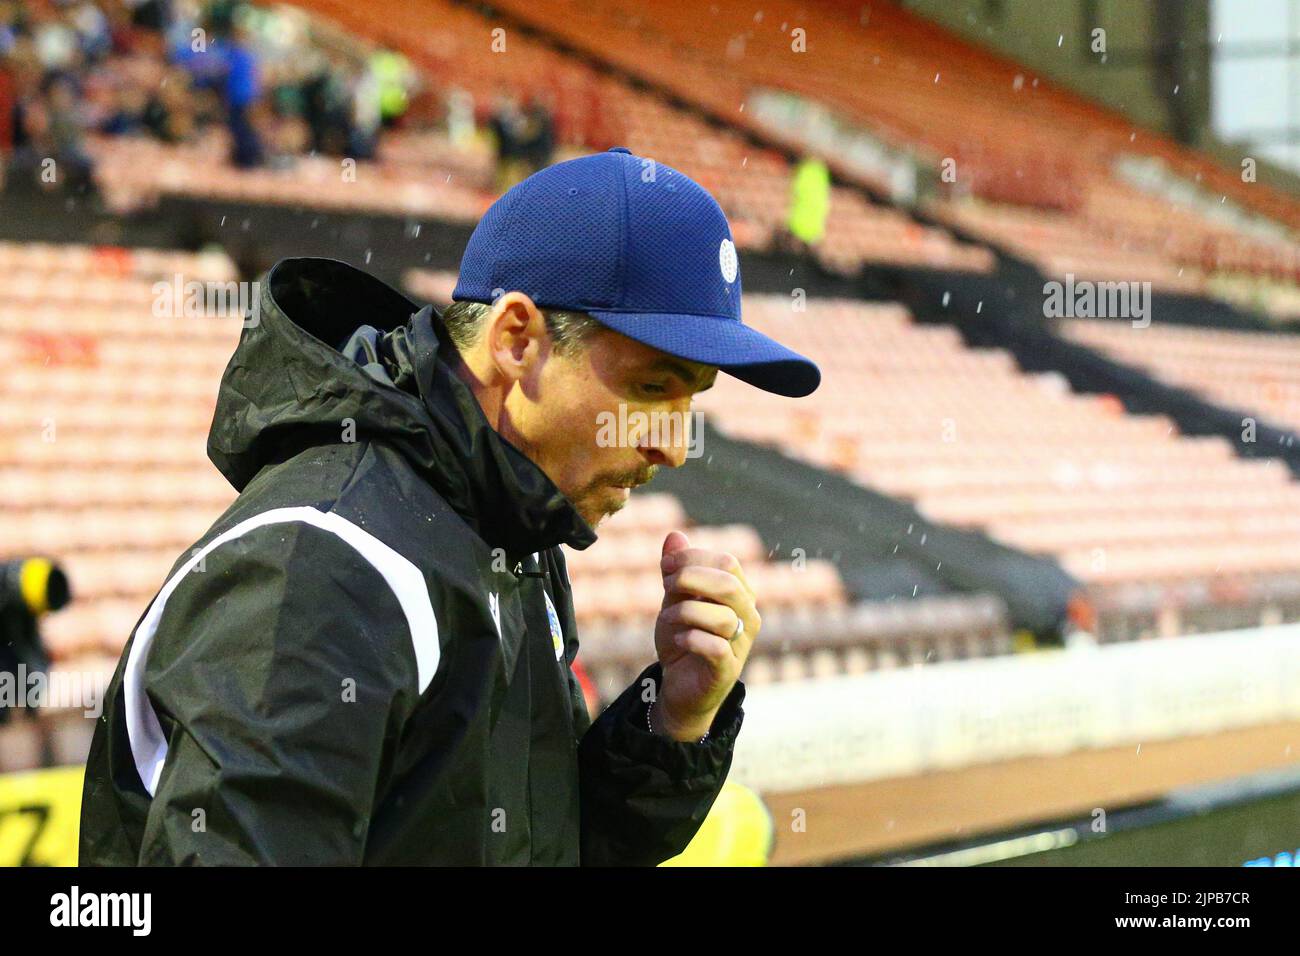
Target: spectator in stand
point(324, 104)
point(366, 115)
point(153, 15)
point(6, 118)
point(394, 78)
point(67, 127)
point(169, 111)
point(507, 126)
point(198, 51)
point(58, 47)
point(9, 26)
point(24, 73)
point(538, 145)
point(127, 113)
point(92, 29)
point(810, 204)
point(51, 156)
point(241, 90)
point(460, 117)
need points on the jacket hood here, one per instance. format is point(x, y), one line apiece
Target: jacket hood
point(288, 387)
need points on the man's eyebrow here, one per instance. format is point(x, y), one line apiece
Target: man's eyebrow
point(685, 374)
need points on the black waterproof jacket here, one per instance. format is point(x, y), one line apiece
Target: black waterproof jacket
point(366, 659)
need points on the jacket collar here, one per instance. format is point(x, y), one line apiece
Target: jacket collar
point(288, 387)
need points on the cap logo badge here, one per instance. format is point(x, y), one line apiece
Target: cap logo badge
point(727, 259)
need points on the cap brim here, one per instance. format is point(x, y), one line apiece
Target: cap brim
point(732, 346)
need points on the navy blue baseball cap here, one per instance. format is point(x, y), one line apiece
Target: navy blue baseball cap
point(640, 247)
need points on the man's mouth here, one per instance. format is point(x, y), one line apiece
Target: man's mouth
point(626, 486)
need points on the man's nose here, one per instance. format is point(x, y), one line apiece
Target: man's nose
point(672, 456)
point(668, 440)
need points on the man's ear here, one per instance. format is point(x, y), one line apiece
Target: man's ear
point(515, 334)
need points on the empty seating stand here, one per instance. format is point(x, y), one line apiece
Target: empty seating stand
point(926, 92)
point(1159, 526)
point(1258, 372)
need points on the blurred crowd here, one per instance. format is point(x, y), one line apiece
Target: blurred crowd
point(524, 134)
point(178, 71)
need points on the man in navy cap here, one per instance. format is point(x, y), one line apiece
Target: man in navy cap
point(368, 657)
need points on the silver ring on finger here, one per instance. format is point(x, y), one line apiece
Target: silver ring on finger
point(740, 629)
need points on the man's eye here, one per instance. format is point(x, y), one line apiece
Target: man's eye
point(654, 388)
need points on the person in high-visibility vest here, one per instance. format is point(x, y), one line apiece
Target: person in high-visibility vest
point(738, 831)
point(810, 201)
point(393, 73)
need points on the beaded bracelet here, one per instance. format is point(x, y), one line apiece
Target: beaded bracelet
point(652, 726)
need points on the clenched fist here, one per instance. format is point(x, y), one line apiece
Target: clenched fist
point(705, 595)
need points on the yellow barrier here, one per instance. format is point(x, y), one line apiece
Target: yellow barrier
point(39, 815)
